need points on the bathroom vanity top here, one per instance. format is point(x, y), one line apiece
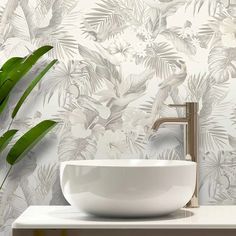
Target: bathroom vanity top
point(65, 217)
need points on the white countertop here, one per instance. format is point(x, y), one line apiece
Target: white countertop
point(58, 217)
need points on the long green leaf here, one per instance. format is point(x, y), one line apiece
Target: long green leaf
point(29, 140)
point(31, 87)
point(3, 104)
point(6, 138)
point(9, 64)
point(16, 73)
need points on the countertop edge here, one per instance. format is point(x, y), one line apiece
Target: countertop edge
point(192, 226)
point(63, 217)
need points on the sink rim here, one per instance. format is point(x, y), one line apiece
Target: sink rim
point(130, 163)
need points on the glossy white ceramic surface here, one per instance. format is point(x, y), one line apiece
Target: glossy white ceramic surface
point(128, 188)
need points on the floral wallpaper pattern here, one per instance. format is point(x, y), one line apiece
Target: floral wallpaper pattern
point(121, 62)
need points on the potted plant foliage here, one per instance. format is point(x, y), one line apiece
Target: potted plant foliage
point(12, 71)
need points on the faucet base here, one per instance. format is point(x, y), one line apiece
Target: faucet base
point(193, 203)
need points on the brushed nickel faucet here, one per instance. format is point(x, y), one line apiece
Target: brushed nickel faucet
point(191, 138)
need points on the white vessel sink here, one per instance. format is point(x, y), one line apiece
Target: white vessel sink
point(128, 188)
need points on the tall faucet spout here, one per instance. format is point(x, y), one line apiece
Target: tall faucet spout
point(191, 135)
point(177, 120)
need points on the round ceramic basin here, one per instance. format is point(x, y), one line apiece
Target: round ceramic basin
point(128, 188)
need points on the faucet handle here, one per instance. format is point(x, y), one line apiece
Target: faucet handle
point(177, 105)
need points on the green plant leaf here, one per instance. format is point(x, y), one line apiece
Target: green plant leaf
point(7, 67)
point(31, 87)
point(15, 74)
point(6, 138)
point(29, 140)
point(9, 64)
point(3, 104)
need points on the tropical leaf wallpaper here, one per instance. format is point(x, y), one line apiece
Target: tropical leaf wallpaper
point(121, 62)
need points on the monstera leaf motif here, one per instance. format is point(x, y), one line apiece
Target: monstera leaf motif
point(221, 64)
point(107, 19)
point(161, 58)
point(101, 67)
point(199, 4)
